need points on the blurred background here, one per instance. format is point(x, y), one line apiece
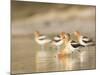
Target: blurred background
point(28, 17)
point(49, 18)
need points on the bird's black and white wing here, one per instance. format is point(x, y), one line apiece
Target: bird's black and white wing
point(42, 37)
point(57, 37)
point(75, 44)
point(86, 39)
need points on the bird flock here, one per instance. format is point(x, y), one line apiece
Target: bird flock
point(65, 39)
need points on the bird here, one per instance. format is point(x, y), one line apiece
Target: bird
point(57, 41)
point(83, 40)
point(70, 44)
point(41, 39)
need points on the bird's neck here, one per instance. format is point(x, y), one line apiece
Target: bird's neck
point(78, 37)
point(66, 41)
point(37, 35)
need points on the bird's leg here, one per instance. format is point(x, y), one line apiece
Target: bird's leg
point(79, 51)
point(87, 48)
point(72, 52)
point(58, 48)
point(42, 47)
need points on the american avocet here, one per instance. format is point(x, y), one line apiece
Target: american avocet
point(83, 40)
point(65, 51)
point(41, 39)
point(57, 41)
point(70, 44)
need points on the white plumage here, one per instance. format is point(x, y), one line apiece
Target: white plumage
point(41, 39)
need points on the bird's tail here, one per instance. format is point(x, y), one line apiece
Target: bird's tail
point(82, 45)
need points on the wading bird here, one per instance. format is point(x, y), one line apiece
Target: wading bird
point(57, 41)
point(70, 45)
point(83, 40)
point(41, 39)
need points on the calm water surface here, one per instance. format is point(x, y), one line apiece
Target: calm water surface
point(28, 58)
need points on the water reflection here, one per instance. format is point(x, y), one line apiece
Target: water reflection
point(28, 59)
point(47, 61)
point(66, 62)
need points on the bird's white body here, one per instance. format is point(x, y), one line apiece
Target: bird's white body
point(42, 42)
point(57, 38)
point(57, 41)
point(70, 47)
point(41, 39)
point(85, 39)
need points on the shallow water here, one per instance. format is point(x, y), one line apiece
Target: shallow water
point(27, 57)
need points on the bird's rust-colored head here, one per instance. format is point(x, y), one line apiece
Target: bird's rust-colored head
point(65, 37)
point(36, 33)
point(77, 33)
point(62, 34)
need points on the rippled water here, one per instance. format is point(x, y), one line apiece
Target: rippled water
point(28, 58)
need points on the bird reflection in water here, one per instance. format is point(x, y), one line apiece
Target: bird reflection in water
point(73, 61)
point(41, 58)
point(66, 61)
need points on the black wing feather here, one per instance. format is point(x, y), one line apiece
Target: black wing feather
point(75, 44)
point(87, 41)
point(43, 38)
point(56, 40)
